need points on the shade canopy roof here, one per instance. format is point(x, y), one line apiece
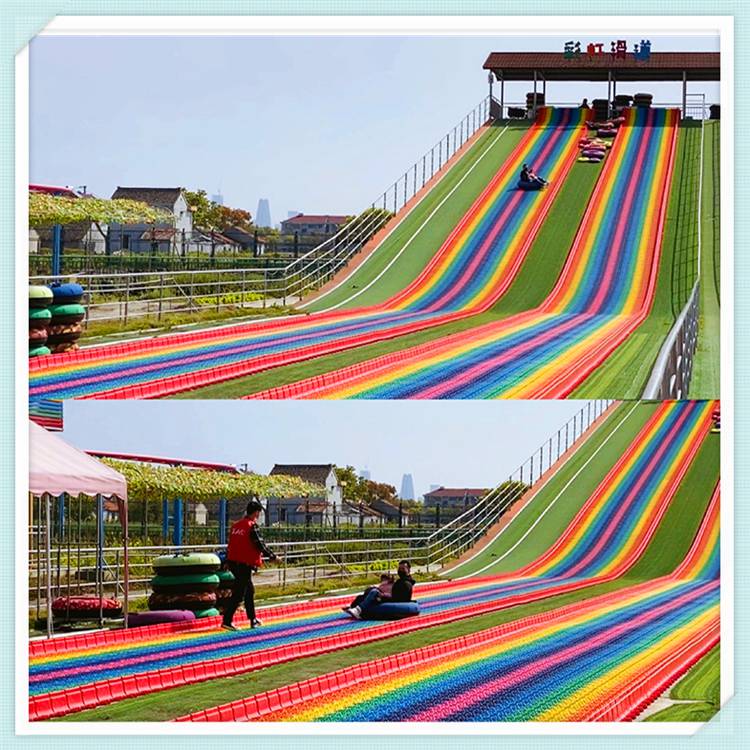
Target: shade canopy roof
point(661, 66)
point(56, 468)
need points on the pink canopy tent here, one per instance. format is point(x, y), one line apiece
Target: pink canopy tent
point(55, 469)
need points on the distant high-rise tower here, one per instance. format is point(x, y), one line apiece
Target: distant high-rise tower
point(407, 487)
point(292, 214)
point(263, 214)
point(435, 487)
point(365, 473)
point(218, 198)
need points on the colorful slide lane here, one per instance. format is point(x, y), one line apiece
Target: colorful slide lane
point(604, 293)
point(466, 276)
point(605, 539)
point(603, 659)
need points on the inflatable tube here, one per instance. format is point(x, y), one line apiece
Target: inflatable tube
point(39, 296)
point(226, 579)
point(222, 594)
point(67, 313)
point(39, 316)
point(190, 583)
point(179, 565)
point(64, 338)
point(210, 612)
point(139, 619)
point(67, 346)
point(37, 336)
point(85, 607)
point(66, 310)
point(65, 294)
point(392, 611)
point(606, 133)
point(58, 329)
point(39, 351)
point(529, 185)
point(194, 601)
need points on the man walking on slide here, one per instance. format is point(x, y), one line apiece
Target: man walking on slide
point(244, 556)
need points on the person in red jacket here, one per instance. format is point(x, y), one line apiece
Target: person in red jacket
point(245, 555)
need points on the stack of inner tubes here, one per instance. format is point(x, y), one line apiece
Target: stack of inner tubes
point(530, 101)
point(186, 582)
point(643, 100)
point(224, 592)
point(623, 100)
point(593, 149)
point(601, 109)
point(65, 327)
point(40, 298)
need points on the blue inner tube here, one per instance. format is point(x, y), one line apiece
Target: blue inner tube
point(67, 293)
point(533, 185)
point(392, 611)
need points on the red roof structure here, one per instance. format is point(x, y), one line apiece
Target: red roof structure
point(553, 66)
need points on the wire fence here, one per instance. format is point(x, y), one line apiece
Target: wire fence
point(76, 566)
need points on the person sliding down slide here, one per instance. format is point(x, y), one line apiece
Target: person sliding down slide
point(529, 180)
point(400, 592)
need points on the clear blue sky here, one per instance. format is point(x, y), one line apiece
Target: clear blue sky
point(454, 443)
point(316, 124)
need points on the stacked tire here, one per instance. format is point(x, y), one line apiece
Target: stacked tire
point(530, 105)
point(67, 313)
point(186, 582)
point(40, 299)
point(601, 109)
point(643, 100)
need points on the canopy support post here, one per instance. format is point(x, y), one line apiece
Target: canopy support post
point(609, 92)
point(123, 510)
point(48, 554)
point(533, 110)
point(502, 97)
point(100, 556)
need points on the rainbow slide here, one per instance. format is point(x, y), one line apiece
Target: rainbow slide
point(606, 538)
point(470, 271)
point(603, 659)
point(604, 293)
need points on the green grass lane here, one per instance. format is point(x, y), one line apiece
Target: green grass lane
point(477, 166)
point(625, 373)
point(705, 382)
point(533, 283)
point(667, 549)
point(586, 468)
point(702, 682)
point(701, 712)
point(701, 686)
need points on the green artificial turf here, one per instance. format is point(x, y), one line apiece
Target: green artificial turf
point(702, 682)
point(705, 382)
point(685, 712)
point(667, 549)
point(701, 686)
point(533, 283)
point(478, 166)
point(595, 457)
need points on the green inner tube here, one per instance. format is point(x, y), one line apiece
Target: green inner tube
point(226, 578)
point(67, 310)
point(197, 562)
point(38, 351)
point(40, 313)
point(210, 612)
point(192, 582)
